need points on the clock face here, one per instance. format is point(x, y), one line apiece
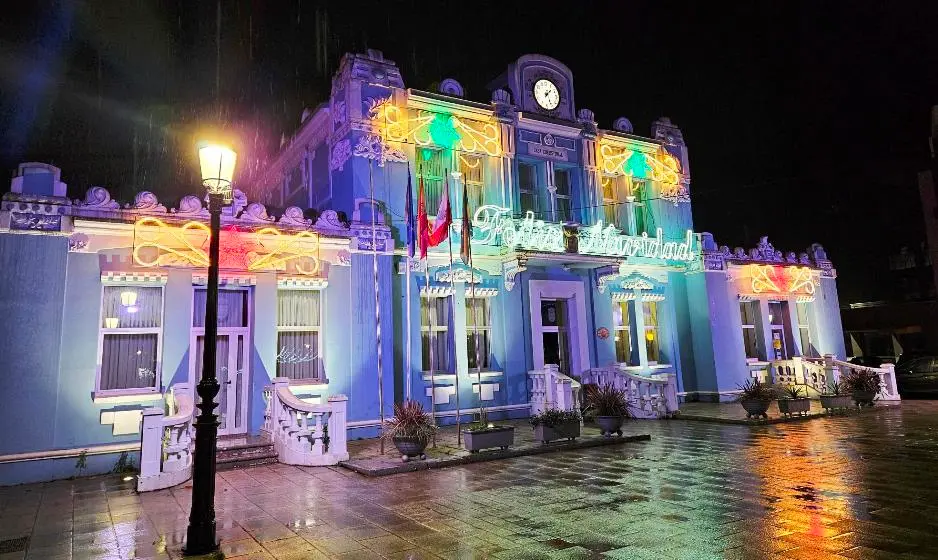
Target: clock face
point(546, 94)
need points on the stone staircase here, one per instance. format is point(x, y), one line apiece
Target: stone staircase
point(238, 452)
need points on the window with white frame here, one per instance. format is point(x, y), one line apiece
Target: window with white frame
point(644, 221)
point(299, 335)
point(748, 312)
point(435, 313)
point(804, 330)
point(610, 196)
point(430, 166)
point(478, 332)
point(563, 195)
point(471, 167)
point(527, 186)
point(623, 332)
point(131, 337)
point(650, 311)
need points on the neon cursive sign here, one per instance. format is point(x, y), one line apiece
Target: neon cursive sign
point(494, 225)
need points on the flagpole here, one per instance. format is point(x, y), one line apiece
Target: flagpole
point(426, 275)
point(452, 284)
point(374, 256)
point(410, 247)
point(475, 323)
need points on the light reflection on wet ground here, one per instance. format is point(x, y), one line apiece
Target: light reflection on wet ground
point(850, 487)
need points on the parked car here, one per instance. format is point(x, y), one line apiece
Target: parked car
point(918, 377)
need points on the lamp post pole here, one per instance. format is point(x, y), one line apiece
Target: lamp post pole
point(200, 537)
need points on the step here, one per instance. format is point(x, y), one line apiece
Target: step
point(237, 452)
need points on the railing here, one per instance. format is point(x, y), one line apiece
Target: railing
point(800, 371)
point(653, 396)
point(887, 374)
point(552, 389)
point(166, 443)
point(304, 433)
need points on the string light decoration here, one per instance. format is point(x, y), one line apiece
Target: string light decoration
point(763, 279)
point(427, 128)
point(661, 167)
point(157, 243)
point(771, 279)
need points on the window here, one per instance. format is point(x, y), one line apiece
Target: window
point(131, 327)
point(527, 185)
point(747, 313)
point(478, 328)
point(232, 308)
point(434, 330)
point(299, 340)
point(430, 165)
point(623, 332)
point(650, 313)
point(562, 195)
point(804, 331)
point(644, 221)
point(610, 198)
point(471, 168)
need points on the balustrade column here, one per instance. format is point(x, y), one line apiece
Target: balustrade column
point(338, 418)
point(151, 442)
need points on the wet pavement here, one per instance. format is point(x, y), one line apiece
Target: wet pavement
point(857, 486)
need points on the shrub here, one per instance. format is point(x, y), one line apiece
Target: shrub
point(834, 389)
point(608, 401)
point(553, 417)
point(411, 421)
point(862, 380)
point(792, 392)
point(753, 389)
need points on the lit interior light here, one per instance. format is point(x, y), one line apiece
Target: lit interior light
point(649, 336)
point(111, 322)
point(139, 352)
point(127, 478)
point(128, 298)
point(133, 309)
point(770, 317)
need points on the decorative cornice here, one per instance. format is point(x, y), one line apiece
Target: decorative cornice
point(299, 282)
point(511, 268)
point(134, 277)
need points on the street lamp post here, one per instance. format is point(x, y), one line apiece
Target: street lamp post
point(217, 164)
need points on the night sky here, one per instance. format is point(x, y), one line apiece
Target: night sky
point(805, 124)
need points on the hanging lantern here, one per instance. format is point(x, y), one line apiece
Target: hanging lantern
point(110, 322)
point(128, 298)
point(217, 164)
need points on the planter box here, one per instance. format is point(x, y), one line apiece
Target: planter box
point(569, 430)
point(756, 407)
point(609, 424)
point(864, 398)
point(794, 406)
point(836, 402)
point(500, 436)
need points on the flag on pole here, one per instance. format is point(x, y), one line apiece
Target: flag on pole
point(423, 225)
point(444, 219)
point(411, 222)
point(466, 233)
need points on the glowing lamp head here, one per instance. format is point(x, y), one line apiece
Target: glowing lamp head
point(218, 164)
point(128, 298)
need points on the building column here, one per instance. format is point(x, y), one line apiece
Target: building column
point(639, 323)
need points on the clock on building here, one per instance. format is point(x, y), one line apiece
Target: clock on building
point(546, 94)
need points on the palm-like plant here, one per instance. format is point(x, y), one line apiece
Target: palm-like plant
point(608, 401)
point(410, 421)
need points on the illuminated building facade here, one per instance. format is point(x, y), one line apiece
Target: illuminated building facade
point(584, 255)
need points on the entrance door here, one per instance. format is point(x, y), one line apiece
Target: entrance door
point(231, 363)
point(232, 378)
point(554, 333)
point(778, 322)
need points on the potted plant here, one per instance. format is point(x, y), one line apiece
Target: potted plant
point(482, 434)
point(793, 401)
point(835, 398)
point(609, 407)
point(755, 398)
point(556, 424)
point(863, 385)
point(409, 429)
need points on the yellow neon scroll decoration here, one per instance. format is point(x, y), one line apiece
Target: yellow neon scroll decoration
point(801, 278)
point(157, 243)
point(287, 248)
point(160, 239)
point(613, 158)
point(664, 168)
point(400, 128)
point(762, 280)
point(472, 140)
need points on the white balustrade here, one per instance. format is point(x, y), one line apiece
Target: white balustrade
point(166, 443)
point(887, 374)
point(304, 433)
point(552, 389)
point(653, 396)
point(800, 371)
